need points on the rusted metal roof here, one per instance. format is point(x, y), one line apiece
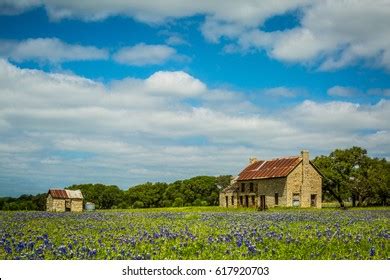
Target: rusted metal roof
point(57, 193)
point(66, 194)
point(274, 168)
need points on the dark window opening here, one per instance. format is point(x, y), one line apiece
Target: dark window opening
point(313, 200)
point(262, 202)
point(246, 201)
point(276, 199)
point(253, 200)
point(227, 201)
point(251, 187)
point(232, 200)
point(242, 187)
point(240, 200)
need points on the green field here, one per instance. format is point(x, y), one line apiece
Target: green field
point(197, 233)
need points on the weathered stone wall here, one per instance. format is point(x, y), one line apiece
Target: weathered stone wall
point(55, 205)
point(76, 205)
point(294, 185)
point(232, 199)
point(269, 187)
point(252, 195)
point(312, 185)
point(49, 203)
point(305, 181)
point(58, 205)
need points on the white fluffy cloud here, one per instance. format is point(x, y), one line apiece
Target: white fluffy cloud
point(331, 34)
point(50, 50)
point(342, 91)
point(174, 83)
point(143, 54)
point(58, 128)
point(247, 11)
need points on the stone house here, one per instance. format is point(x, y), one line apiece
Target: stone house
point(64, 200)
point(285, 182)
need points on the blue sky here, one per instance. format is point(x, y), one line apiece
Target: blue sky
point(123, 92)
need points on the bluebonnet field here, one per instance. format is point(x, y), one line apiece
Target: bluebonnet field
point(164, 234)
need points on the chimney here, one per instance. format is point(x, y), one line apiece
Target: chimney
point(252, 160)
point(305, 157)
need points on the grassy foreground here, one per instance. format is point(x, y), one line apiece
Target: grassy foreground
point(197, 233)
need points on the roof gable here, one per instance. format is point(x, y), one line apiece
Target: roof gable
point(265, 169)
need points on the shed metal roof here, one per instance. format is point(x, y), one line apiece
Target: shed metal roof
point(274, 168)
point(66, 194)
point(57, 193)
point(74, 194)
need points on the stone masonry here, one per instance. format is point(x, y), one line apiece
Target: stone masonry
point(64, 200)
point(300, 187)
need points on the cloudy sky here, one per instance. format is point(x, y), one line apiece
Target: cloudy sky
point(127, 91)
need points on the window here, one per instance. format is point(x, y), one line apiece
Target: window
point(295, 200)
point(253, 200)
point(227, 201)
point(240, 200)
point(246, 200)
point(276, 199)
point(232, 200)
point(251, 187)
point(242, 187)
point(313, 200)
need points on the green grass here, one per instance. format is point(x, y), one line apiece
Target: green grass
point(197, 233)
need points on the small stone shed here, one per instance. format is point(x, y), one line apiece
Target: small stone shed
point(289, 182)
point(59, 200)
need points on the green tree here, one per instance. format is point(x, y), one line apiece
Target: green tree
point(104, 197)
point(351, 174)
point(378, 177)
point(343, 173)
point(179, 202)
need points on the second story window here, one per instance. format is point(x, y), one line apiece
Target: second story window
point(242, 187)
point(251, 187)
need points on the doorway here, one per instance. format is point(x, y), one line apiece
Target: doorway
point(262, 202)
point(67, 205)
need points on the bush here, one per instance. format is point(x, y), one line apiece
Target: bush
point(197, 202)
point(178, 202)
point(204, 203)
point(123, 205)
point(138, 204)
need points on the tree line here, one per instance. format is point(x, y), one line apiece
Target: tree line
point(196, 191)
point(348, 175)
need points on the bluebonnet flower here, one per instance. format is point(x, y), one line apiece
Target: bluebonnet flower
point(8, 250)
point(372, 251)
point(62, 250)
